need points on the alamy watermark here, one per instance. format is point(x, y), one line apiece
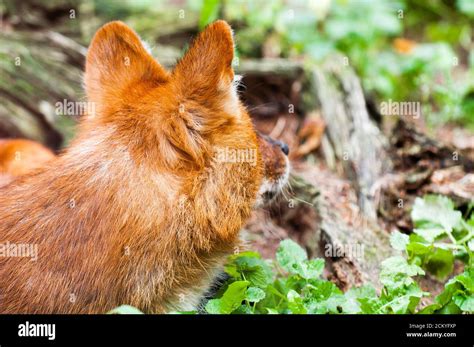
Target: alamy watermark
point(236, 155)
point(28, 329)
point(20, 250)
point(351, 250)
point(401, 108)
point(75, 108)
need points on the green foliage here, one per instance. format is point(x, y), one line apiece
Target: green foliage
point(248, 266)
point(209, 12)
point(295, 286)
point(292, 284)
point(466, 7)
point(437, 71)
point(231, 300)
point(441, 235)
point(457, 297)
point(364, 32)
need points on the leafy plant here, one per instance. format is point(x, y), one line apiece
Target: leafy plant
point(457, 296)
point(293, 283)
point(296, 286)
point(436, 36)
point(441, 235)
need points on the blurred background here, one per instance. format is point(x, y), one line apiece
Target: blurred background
point(318, 74)
point(402, 50)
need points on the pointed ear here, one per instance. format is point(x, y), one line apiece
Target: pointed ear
point(118, 64)
point(205, 72)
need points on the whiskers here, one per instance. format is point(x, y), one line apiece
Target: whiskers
point(238, 84)
point(287, 195)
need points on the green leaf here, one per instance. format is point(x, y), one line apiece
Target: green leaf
point(289, 255)
point(295, 303)
point(466, 7)
point(397, 272)
point(333, 304)
point(430, 309)
point(430, 234)
point(213, 306)
point(209, 12)
point(457, 295)
point(464, 302)
point(309, 269)
point(230, 300)
point(466, 279)
point(250, 267)
point(404, 300)
point(276, 291)
point(254, 294)
point(353, 298)
point(243, 309)
point(321, 296)
point(399, 241)
point(314, 268)
point(418, 246)
point(370, 305)
point(447, 294)
point(292, 258)
point(125, 309)
point(450, 308)
point(440, 262)
point(437, 210)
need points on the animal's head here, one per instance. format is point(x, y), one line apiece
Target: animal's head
point(188, 122)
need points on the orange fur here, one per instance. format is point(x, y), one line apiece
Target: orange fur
point(19, 156)
point(138, 210)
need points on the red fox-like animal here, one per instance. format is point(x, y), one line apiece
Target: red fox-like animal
point(147, 202)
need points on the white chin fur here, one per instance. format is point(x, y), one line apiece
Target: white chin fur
point(272, 187)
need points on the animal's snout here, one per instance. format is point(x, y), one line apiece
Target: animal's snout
point(283, 146)
point(276, 168)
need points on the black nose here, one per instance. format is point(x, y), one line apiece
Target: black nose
point(284, 147)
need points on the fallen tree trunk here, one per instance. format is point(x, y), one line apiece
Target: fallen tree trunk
point(353, 243)
point(352, 138)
